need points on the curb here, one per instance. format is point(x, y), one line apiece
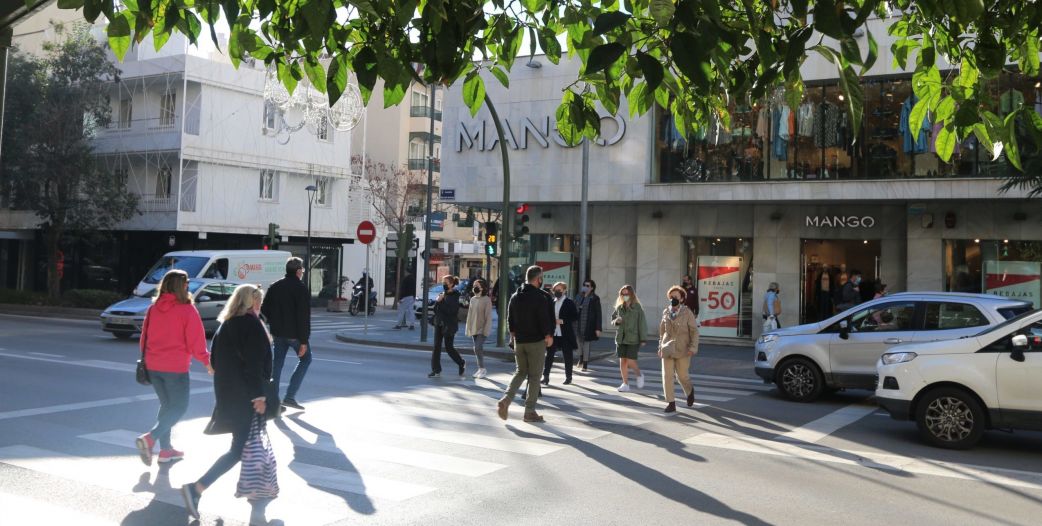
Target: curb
point(493, 352)
point(46, 311)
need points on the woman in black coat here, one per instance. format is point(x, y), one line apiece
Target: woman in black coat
point(566, 314)
point(241, 359)
point(446, 323)
point(589, 325)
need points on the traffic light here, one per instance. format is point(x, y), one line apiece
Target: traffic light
point(491, 239)
point(405, 242)
point(272, 241)
point(520, 221)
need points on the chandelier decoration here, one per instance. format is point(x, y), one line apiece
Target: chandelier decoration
point(309, 108)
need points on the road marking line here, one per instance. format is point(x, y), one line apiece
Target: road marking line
point(96, 364)
point(336, 361)
point(509, 445)
point(46, 355)
point(873, 460)
point(818, 429)
point(23, 510)
point(37, 411)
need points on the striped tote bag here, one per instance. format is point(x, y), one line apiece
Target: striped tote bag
point(258, 475)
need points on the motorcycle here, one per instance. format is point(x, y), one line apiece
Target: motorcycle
point(358, 300)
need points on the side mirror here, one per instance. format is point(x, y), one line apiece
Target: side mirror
point(1019, 344)
point(844, 329)
point(203, 298)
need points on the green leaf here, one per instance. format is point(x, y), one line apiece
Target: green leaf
point(473, 92)
point(571, 120)
point(945, 143)
point(395, 91)
point(640, 99)
point(316, 14)
point(602, 57)
point(689, 58)
point(918, 114)
point(287, 77)
point(826, 19)
point(651, 68)
point(315, 73)
point(1030, 63)
point(851, 51)
point(119, 35)
point(662, 11)
point(66, 4)
point(364, 66)
point(551, 46)
point(501, 76)
point(1012, 149)
point(873, 52)
point(336, 77)
point(945, 109)
point(984, 138)
point(851, 85)
point(605, 22)
point(968, 74)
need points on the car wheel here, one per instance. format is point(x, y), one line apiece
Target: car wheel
point(951, 418)
point(800, 380)
point(123, 335)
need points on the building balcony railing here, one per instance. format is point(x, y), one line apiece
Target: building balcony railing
point(423, 111)
point(151, 203)
point(421, 164)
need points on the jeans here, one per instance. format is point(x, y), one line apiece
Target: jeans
point(282, 345)
point(405, 308)
point(172, 390)
point(674, 369)
point(567, 357)
point(479, 349)
point(442, 335)
point(529, 358)
point(228, 460)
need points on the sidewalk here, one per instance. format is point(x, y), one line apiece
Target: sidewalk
point(730, 359)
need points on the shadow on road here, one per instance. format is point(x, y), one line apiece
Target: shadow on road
point(360, 503)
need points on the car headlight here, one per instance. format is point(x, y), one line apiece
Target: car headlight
point(898, 357)
point(767, 338)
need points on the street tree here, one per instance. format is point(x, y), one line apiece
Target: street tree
point(397, 196)
point(55, 104)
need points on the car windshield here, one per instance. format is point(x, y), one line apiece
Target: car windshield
point(193, 286)
point(190, 264)
point(1007, 323)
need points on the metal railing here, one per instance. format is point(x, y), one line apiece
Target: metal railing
point(148, 203)
point(423, 111)
point(421, 164)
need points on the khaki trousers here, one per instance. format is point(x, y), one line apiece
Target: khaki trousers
point(675, 368)
point(529, 358)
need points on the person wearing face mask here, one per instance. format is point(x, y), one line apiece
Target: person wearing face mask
point(771, 308)
point(678, 342)
point(479, 323)
point(631, 328)
point(589, 328)
point(851, 292)
point(690, 294)
point(530, 320)
point(565, 316)
point(446, 323)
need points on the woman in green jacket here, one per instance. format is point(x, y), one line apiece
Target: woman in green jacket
point(631, 328)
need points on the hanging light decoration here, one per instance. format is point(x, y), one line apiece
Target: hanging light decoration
point(347, 112)
point(274, 91)
point(307, 107)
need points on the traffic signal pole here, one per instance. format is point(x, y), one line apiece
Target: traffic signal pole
point(504, 234)
point(427, 224)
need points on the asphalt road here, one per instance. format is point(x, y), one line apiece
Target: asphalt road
point(379, 443)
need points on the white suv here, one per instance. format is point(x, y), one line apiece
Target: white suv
point(842, 351)
point(957, 389)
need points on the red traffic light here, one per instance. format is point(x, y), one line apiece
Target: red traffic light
point(522, 208)
point(265, 247)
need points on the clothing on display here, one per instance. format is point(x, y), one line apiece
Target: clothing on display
point(913, 135)
point(805, 120)
point(779, 144)
point(826, 125)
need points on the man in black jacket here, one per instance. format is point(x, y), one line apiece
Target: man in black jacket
point(530, 320)
point(287, 307)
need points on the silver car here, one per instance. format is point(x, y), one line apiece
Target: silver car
point(842, 351)
point(124, 319)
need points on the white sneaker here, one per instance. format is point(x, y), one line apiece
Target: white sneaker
point(640, 381)
point(624, 388)
point(480, 373)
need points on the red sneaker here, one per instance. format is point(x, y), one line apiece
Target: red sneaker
point(170, 455)
point(144, 444)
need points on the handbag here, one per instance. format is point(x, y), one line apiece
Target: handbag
point(141, 374)
point(258, 475)
point(770, 324)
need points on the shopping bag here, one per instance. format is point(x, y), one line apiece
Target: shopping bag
point(258, 475)
point(770, 324)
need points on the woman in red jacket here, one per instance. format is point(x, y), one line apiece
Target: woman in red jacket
point(171, 335)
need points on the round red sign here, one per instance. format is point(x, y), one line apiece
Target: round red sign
point(366, 232)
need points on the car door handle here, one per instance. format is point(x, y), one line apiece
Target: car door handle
point(892, 341)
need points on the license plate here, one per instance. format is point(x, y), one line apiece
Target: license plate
point(120, 321)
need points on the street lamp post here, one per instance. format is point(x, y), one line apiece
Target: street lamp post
point(312, 191)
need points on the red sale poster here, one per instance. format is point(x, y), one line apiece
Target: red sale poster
point(719, 285)
point(1013, 279)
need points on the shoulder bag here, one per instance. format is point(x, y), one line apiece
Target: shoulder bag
point(141, 374)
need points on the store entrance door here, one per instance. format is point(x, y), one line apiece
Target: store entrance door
point(826, 265)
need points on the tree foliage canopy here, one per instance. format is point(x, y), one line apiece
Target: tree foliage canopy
point(694, 58)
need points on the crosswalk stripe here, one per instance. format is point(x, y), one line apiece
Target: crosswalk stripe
point(24, 510)
point(522, 447)
point(351, 482)
point(450, 395)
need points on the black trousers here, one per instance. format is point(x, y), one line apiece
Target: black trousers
point(566, 356)
point(447, 337)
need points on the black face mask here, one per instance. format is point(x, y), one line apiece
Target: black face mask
point(558, 294)
point(674, 302)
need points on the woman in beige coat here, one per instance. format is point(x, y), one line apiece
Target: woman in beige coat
point(678, 342)
point(479, 323)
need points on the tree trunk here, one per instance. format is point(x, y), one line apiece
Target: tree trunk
point(398, 274)
point(52, 237)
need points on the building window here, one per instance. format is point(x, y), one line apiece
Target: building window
point(419, 98)
point(323, 129)
point(322, 196)
point(270, 115)
point(166, 109)
point(1002, 267)
point(126, 112)
point(269, 180)
point(163, 178)
point(122, 176)
point(722, 269)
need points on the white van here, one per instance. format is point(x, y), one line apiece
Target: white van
point(260, 267)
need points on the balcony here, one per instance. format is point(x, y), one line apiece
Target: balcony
point(421, 164)
point(151, 203)
point(424, 111)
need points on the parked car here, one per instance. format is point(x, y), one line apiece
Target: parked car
point(124, 319)
point(464, 290)
point(955, 390)
point(841, 352)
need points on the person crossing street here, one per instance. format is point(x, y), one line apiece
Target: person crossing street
point(287, 308)
point(530, 320)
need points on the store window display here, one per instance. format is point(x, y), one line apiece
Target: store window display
point(1005, 267)
point(723, 272)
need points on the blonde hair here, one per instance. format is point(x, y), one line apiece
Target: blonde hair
point(633, 293)
point(175, 282)
point(242, 300)
point(677, 288)
point(562, 285)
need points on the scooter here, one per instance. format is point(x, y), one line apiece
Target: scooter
point(358, 300)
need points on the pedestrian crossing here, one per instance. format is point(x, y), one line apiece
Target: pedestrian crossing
point(372, 450)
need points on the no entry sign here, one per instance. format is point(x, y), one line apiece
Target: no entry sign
point(366, 232)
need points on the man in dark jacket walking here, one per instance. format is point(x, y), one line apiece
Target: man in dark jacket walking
point(287, 307)
point(530, 320)
point(446, 324)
